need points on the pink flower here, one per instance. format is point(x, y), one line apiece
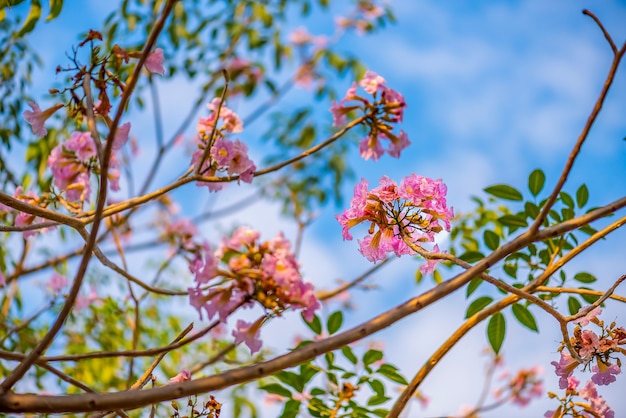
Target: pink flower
point(121, 136)
point(222, 151)
point(240, 163)
point(339, 110)
point(154, 62)
point(243, 235)
point(36, 118)
point(431, 264)
point(398, 144)
point(388, 209)
point(564, 368)
point(82, 145)
point(572, 383)
point(604, 374)
point(205, 268)
point(23, 218)
point(183, 376)
point(371, 82)
point(592, 314)
point(371, 148)
point(300, 37)
point(370, 249)
point(589, 343)
point(596, 402)
point(83, 301)
point(232, 123)
point(70, 162)
point(56, 283)
point(249, 334)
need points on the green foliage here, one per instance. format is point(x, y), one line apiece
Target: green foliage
point(496, 329)
point(496, 223)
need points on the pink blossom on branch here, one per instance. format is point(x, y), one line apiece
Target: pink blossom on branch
point(604, 373)
point(249, 334)
point(183, 376)
point(224, 155)
point(564, 368)
point(386, 110)
point(37, 117)
point(416, 209)
point(263, 271)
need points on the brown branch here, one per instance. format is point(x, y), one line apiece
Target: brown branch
point(56, 217)
point(590, 292)
point(45, 342)
point(579, 142)
point(82, 403)
point(607, 36)
point(533, 286)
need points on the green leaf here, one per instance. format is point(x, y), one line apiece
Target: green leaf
point(334, 322)
point(317, 391)
point(377, 400)
point(524, 316)
point(585, 277)
point(391, 373)
point(566, 199)
point(510, 269)
point(437, 278)
point(377, 387)
point(536, 181)
point(496, 330)
point(349, 354)
point(55, 9)
point(512, 221)
point(492, 240)
point(478, 305)
point(372, 356)
point(472, 256)
point(504, 191)
point(31, 20)
point(582, 196)
point(473, 285)
point(291, 379)
point(531, 209)
point(573, 305)
point(315, 325)
point(276, 389)
point(418, 276)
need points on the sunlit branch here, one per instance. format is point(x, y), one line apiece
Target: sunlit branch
point(40, 212)
point(549, 289)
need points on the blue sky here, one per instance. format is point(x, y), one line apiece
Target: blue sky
point(494, 90)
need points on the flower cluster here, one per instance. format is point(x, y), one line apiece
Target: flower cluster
point(387, 108)
point(362, 18)
point(265, 272)
point(590, 346)
point(596, 405)
point(74, 160)
point(415, 208)
point(522, 387)
point(224, 154)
